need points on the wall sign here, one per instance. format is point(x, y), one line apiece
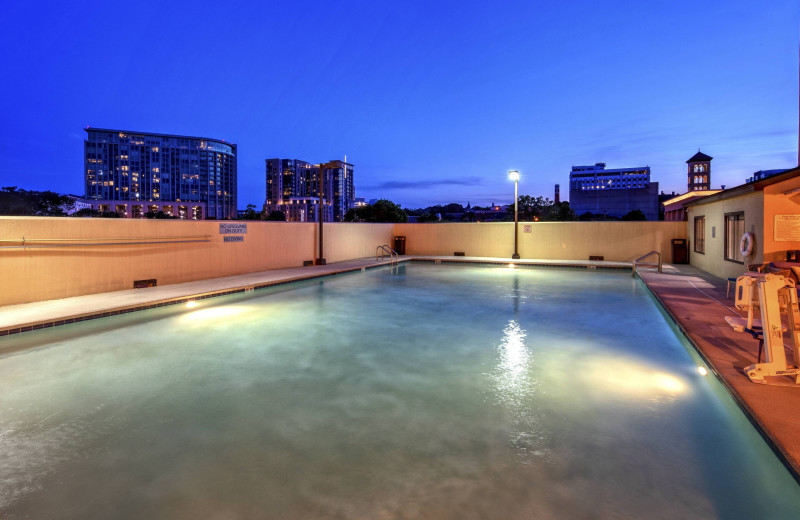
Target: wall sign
point(228, 228)
point(527, 228)
point(233, 238)
point(787, 228)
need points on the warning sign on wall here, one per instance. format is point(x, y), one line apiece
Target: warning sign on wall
point(787, 228)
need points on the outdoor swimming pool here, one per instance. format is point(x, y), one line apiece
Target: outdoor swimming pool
point(423, 391)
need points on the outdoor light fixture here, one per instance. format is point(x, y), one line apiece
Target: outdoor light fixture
point(191, 304)
point(514, 176)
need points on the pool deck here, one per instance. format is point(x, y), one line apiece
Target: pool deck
point(698, 304)
point(695, 300)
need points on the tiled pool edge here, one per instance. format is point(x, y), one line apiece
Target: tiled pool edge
point(115, 311)
point(776, 446)
point(125, 309)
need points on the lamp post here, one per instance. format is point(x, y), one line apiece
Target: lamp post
point(514, 176)
point(321, 259)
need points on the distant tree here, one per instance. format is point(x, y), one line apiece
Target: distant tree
point(50, 203)
point(158, 215)
point(634, 215)
point(250, 213)
point(558, 212)
point(276, 216)
point(14, 201)
point(596, 217)
point(427, 217)
point(529, 208)
point(382, 210)
point(86, 213)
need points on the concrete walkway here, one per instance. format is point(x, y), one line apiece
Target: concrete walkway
point(698, 304)
point(696, 301)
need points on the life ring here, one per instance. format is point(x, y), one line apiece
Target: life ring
point(746, 244)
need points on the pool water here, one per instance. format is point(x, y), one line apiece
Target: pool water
point(423, 391)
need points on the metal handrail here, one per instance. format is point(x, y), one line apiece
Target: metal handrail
point(651, 253)
point(394, 258)
point(27, 243)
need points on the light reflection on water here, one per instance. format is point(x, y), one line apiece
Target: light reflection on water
point(515, 388)
point(417, 392)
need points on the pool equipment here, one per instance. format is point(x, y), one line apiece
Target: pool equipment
point(771, 295)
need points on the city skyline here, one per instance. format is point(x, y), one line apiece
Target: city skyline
point(434, 104)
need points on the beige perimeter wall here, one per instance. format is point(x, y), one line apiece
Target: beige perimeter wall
point(34, 274)
point(615, 241)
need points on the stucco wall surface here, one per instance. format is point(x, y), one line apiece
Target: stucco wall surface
point(780, 199)
point(713, 260)
point(615, 241)
point(44, 273)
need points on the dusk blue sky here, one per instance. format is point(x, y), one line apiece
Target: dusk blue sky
point(432, 101)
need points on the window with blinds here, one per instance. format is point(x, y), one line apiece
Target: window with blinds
point(734, 229)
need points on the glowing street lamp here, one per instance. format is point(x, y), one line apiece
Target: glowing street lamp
point(514, 176)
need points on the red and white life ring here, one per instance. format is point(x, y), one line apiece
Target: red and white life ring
point(746, 244)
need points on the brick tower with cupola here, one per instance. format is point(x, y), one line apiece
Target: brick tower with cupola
point(699, 172)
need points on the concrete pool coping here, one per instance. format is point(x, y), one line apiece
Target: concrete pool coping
point(695, 300)
point(25, 317)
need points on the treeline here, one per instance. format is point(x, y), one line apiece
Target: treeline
point(18, 202)
point(530, 209)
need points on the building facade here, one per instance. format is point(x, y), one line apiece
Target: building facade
point(139, 209)
point(294, 186)
point(137, 168)
point(767, 208)
point(612, 193)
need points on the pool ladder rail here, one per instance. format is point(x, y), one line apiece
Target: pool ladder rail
point(638, 262)
point(385, 250)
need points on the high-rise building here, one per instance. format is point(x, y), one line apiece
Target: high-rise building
point(612, 193)
point(293, 186)
point(343, 193)
point(140, 166)
point(286, 178)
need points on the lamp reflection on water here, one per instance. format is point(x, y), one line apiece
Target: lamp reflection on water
point(513, 364)
point(515, 390)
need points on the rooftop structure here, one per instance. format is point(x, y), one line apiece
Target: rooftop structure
point(763, 174)
point(613, 192)
point(699, 171)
